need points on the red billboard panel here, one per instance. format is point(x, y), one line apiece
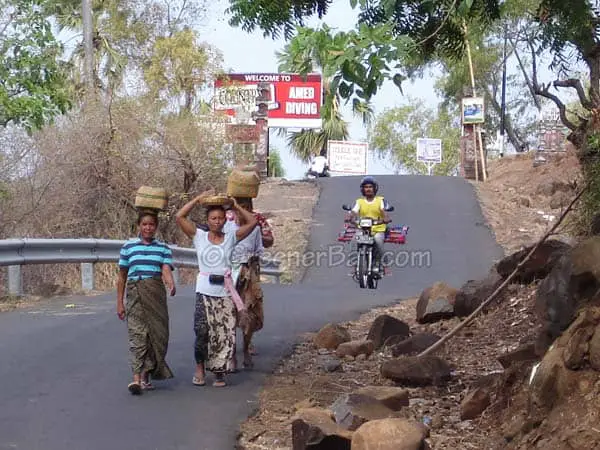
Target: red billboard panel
point(295, 100)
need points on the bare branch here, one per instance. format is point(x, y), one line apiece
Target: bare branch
point(575, 84)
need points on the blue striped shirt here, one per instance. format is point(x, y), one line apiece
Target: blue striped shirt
point(144, 260)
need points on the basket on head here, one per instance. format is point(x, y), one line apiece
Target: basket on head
point(151, 198)
point(217, 200)
point(243, 183)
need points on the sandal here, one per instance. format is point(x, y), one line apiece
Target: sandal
point(219, 381)
point(198, 381)
point(147, 386)
point(135, 388)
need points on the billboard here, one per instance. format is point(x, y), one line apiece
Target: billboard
point(429, 150)
point(473, 110)
point(295, 100)
point(347, 157)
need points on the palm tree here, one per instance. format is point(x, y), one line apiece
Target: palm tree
point(308, 52)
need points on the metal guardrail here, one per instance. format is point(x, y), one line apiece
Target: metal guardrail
point(19, 252)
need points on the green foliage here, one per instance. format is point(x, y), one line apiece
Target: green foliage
point(272, 17)
point(275, 164)
point(396, 131)
point(33, 89)
point(590, 201)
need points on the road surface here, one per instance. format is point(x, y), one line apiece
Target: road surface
point(64, 371)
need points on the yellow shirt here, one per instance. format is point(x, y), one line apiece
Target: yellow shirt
point(373, 209)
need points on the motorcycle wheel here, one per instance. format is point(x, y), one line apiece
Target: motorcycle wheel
point(362, 269)
point(371, 279)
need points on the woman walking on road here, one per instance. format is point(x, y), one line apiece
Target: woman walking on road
point(145, 266)
point(216, 297)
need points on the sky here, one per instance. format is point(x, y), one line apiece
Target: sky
point(251, 52)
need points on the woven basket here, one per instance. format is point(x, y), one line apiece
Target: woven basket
point(148, 197)
point(243, 183)
point(216, 200)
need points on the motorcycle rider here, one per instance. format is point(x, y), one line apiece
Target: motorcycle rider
point(373, 206)
point(318, 167)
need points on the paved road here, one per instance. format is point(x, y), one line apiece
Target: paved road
point(63, 371)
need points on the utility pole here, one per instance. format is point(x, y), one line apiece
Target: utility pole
point(88, 45)
point(503, 105)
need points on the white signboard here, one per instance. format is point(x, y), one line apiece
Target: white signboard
point(429, 150)
point(347, 157)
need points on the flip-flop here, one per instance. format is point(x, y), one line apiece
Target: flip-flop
point(134, 388)
point(219, 383)
point(197, 381)
point(147, 386)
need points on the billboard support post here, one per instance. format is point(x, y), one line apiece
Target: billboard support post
point(260, 117)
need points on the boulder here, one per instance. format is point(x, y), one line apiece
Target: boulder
point(390, 434)
point(554, 379)
point(331, 336)
point(315, 429)
point(474, 292)
point(415, 344)
point(594, 349)
point(524, 352)
point(573, 281)
point(539, 264)
point(355, 348)
point(385, 326)
point(393, 397)
point(414, 371)
point(549, 188)
point(329, 363)
point(352, 410)
point(436, 303)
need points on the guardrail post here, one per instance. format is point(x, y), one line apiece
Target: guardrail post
point(15, 281)
point(87, 276)
point(176, 273)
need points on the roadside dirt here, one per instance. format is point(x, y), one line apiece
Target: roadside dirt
point(519, 205)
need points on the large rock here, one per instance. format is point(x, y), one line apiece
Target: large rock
point(436, 303)
point(524, 352)
point(385, 326)
point(393, 397)
point(553, 381)
point(355, 348)
point(539, 264)
point(595, 349)
point(549, 188)
point(415, 344)
point(315, 429)
point(573, 281)
point(352, 410)
point(417, 371)
point(331, 336)
point(390, 434)
point(474, 292)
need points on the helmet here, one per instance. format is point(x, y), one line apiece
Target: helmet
point(369, 180)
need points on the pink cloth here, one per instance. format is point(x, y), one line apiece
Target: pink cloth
point(235, 296)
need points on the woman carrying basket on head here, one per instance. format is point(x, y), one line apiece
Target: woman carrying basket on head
point(216, 297)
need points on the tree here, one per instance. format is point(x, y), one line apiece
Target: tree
point(275, 164)
point(390, 40)
point(33, 88)
point(396, 131)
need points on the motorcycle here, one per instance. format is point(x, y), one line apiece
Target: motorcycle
point(360, 231)
point(311, 174)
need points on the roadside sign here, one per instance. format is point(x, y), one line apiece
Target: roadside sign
point(295, 100)
point(429, 150)
point(347, 157)
point(473, 110)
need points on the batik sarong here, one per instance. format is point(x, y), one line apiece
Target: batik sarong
point(148, 327)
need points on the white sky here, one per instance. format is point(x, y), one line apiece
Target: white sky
point(245, 52)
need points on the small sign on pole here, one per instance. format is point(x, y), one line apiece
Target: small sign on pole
point(347, 157)
point(473, 110)
point(429, 151)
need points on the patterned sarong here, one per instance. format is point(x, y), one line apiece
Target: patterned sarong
point(248, 286)
point(214, 326)
point(148, 327)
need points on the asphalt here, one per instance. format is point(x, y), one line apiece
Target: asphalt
point(64, 370)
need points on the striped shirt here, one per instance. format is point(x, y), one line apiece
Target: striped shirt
point(144, 260)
